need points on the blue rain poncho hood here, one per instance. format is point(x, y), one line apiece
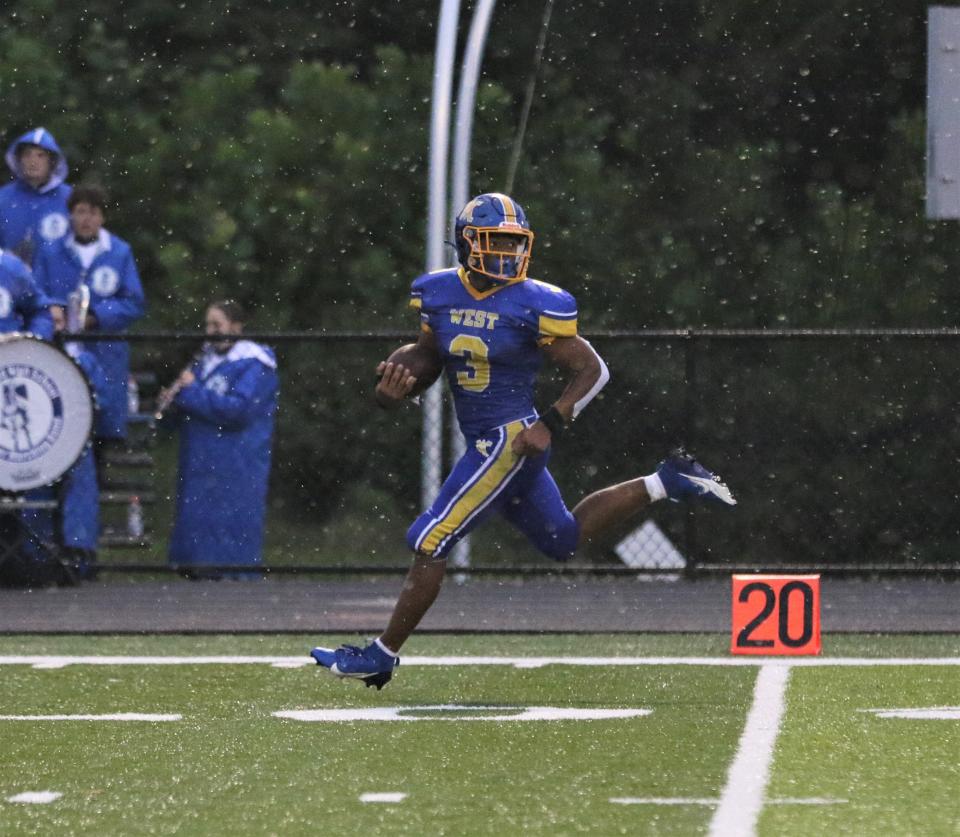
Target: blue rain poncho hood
point(43, 138)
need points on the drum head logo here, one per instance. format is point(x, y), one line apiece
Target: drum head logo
point(31, 413)
point(53, 226)
point(105, 281)
point(46, 413)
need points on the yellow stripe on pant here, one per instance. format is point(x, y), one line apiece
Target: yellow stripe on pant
point(478, 495)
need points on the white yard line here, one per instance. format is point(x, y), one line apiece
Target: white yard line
point(115, 716)
point(60, 661)
point(742, 799)
point(453, 712)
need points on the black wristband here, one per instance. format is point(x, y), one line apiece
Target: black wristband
point(554, 421)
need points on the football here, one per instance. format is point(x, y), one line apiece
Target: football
point(423, 364)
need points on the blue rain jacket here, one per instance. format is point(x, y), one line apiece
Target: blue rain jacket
point(23, 307)
point(116, 300)
point(226, 435)
point(30, 218)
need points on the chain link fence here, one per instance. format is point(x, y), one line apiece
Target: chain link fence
point(839, 445)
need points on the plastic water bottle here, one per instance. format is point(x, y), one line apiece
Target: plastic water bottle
point(135, 518)
point(133, 396)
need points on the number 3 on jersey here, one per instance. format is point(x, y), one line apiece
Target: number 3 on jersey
point(475, 354)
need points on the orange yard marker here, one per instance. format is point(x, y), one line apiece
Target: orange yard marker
point(776, 614)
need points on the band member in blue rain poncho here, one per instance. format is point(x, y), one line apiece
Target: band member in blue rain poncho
point(226, 400)
point(90, 255)
point(33, 207)
point(23, 307)
point(80, 498)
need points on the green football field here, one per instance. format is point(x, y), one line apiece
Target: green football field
point(479, 735)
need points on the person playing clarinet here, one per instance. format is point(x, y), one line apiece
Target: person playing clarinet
point(225, 403)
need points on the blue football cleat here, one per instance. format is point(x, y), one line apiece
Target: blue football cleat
point(371, 664)
point(684, 478)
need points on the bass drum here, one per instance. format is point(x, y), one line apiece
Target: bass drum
point(46, 412)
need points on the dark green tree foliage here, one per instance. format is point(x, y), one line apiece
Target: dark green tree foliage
point(722, 164)
point(738, 164)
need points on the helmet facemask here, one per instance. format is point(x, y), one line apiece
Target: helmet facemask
point(502, 253)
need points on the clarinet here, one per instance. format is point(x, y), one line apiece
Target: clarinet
point(166, 397)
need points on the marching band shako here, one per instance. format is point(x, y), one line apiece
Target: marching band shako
point(46, 412)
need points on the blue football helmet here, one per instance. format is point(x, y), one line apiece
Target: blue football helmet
point(479, 233)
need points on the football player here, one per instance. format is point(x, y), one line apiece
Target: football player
point(491, 327)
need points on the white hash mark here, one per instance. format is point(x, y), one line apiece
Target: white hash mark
point(35, 797)
point(382, 797)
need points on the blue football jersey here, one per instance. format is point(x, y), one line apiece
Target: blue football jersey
point(489, 341)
